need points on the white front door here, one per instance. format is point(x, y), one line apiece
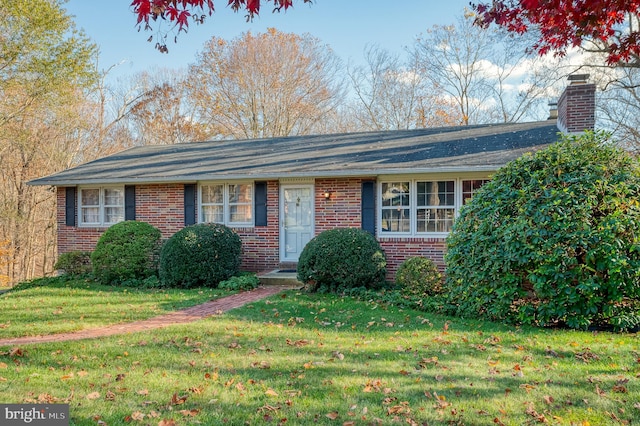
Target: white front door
point(296, 224)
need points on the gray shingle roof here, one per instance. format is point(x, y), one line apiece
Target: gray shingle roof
point(445, 149)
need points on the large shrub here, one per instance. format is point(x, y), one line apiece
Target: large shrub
point(126, 251)
point(419, 276)
point(554, 238)
point(340, 259)
point(200, 255)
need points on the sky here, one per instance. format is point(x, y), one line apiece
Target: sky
point(346, 26)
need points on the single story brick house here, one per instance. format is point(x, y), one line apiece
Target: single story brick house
point(406, 187)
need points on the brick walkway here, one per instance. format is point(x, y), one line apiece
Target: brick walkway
point(193, 313)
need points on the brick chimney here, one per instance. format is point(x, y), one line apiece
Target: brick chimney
point(577, 104)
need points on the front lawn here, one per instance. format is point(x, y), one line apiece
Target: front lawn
point(65, 305)
point(301, 359)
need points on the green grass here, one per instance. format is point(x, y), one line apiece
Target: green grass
point(64, 305)
point(301, 359)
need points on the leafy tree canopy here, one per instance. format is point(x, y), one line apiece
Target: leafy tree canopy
point(563, 24)
point(178, 12)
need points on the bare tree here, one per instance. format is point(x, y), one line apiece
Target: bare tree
point(391, 95)
point(489, 74)
point(160, 115)
point(270, 84)
point(618, 103)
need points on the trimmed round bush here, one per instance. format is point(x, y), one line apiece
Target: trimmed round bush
point(419, 276)
point(340, 259)
point(200, 255)
point(126, 251)
point(552, 239)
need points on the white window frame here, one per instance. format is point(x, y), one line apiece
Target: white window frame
point(413, 202)
point(227, 204)
point(101, 206)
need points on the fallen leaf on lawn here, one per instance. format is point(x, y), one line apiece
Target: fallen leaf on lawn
point(398, 409)
point(50, 399)
point(587, 356)
point(197, 390)
point(268, 407)
point(93, 395)
point(189, 413)
point(540, 418)
point(143, 392)
point(441, 401)
point(298, 343)
point(333, 415)
point(620, 389)
point(14, 352)
point(337, 355)
point(3, 365)
point(262, 364)
point(83, 373)
point(167, 422)
point(177, 400)
point(67, 376)
point(137, 416)
point(271, 392)
point(526, 386)
point(110, 396)
point(548, 399)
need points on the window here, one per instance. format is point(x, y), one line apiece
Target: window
point(420, 207)
point(396, 212)
point(101, 206)
point(227, 203)
point(469, 187)
point(435, 205)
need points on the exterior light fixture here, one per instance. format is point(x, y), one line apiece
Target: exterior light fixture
point(327, 195)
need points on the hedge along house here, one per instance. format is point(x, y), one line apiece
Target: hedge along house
point(406, 187)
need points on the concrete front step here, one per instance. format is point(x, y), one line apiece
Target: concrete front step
point(278, 277)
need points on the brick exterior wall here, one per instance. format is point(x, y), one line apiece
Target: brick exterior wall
point(399, 249)
point(260, 244)
point(343, 209)
point(162, 206)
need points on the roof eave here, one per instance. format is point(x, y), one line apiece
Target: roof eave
point(187, 179)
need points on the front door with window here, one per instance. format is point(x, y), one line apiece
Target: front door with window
point(296, 224)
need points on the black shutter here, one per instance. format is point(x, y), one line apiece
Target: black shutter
point(368, 207)
point(129, 202)
point(70, 206)
point(261, 203)
point(189, 204)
